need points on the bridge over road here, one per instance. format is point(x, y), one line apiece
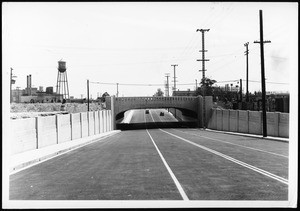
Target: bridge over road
point(189, 106)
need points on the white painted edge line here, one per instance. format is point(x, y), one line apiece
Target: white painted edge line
point(179, 187)
point(261, 171)
point(151, 115)
point(234, 144)
point(56, 154)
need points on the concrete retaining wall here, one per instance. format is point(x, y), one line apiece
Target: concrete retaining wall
point(63, 128)
point(23, 135)
point(283, 125)
point(91, 123)
point(84, 125)
point(243, 123)
point(249, 122)
point(255, 122)
point(46, 131)
point(33, 133)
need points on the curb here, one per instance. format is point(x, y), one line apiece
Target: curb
point(250, 135)
point(45, 157)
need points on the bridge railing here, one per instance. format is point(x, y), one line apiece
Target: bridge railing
point(156, 98)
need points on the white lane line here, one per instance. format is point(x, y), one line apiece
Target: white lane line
point(151, 115)
point(179, 187)
point(261, 171)
point(233, 144)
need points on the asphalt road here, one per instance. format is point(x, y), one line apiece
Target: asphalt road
point(161, 164)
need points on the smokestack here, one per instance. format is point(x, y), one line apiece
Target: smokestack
point(30, 83)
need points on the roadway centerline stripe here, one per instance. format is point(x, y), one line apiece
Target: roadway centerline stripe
point(233, 144)
point(179, 187)
point(261, 171)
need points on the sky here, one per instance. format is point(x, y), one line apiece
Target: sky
point(137, 42)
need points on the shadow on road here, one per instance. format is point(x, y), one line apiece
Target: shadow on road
point(152, 125)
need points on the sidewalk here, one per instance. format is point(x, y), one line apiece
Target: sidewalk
point(25, 159)
point(250, 135)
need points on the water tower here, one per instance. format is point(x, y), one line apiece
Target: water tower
point(62, 80)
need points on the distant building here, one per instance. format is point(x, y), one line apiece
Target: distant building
point(184, 93)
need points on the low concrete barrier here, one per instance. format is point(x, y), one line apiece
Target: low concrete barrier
point(272, 123)
point(63, 128)
point(255, 122)
point(75, 126)
point(219, 119)
point(225, 120)
point(284, 125)
point(249, 122)
point(243, 122)
point(46, 131)
point(91, 121)
point(23, 135)
point(233, 120)
point(84, 125)
point(101, 121)
point(34, 133)
point(96, 117)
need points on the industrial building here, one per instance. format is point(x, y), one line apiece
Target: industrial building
point(33, 95)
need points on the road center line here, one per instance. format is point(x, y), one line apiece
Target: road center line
point(179, 187)
point(261, 171)
point(234, 144)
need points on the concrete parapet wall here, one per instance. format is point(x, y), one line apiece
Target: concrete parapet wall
point(101, 116)
point(272, 123)
point(91, 121)
point(63, 128)
point(46, 131)
point(233, 120)
point(219, 119)
point(76, 126)
point(38, 132)
point(255, 122)
point(249, 122)
point(225, 120)
point(84, 125)
point(243, 123)
point(283, 125)
point(96, 117)
point(23, 135)
point(212, 122)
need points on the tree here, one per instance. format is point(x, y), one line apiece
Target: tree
point(159, 93)
point(105, 94)
point(207, 83)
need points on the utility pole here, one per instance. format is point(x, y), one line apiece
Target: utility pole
point(241, 90)
point(203, 74)
point(88, 94)
point(263, 79)
point(117, 89)
point(12, 81)
point(167, 85)
point(18, 90)
point(174, 65)
point(246, 53)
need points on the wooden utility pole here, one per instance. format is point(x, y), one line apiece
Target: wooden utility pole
point(88, 94)
point(117, 89)
point(174, 65)
point(263, 79)
point(203, 74)
point(167, 85)
point(246, 53)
